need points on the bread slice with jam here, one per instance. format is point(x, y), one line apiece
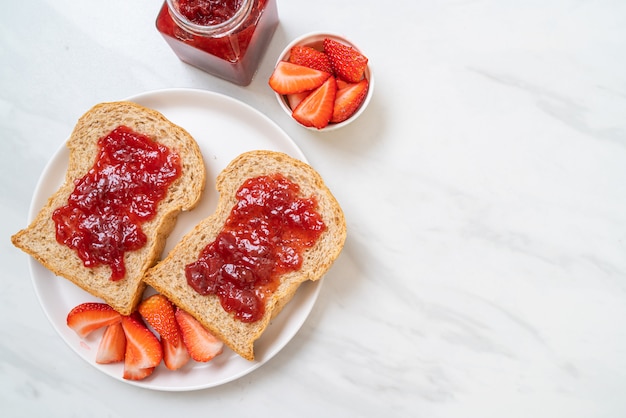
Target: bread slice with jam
point(169, 276)
point(39, 239)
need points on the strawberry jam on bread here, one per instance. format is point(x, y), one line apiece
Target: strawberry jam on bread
point(236, 326)
point(92, 194)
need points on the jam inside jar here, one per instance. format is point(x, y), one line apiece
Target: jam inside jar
point(226, 38)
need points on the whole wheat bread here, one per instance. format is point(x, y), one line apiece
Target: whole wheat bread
point(168, 276)
point(39, 238)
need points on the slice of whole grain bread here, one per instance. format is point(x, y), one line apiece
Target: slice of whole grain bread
point(39, 238)
point(168, 276)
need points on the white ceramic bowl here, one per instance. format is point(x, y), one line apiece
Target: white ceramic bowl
point(316, 40)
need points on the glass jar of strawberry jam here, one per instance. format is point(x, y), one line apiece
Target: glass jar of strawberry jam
point(226, 38)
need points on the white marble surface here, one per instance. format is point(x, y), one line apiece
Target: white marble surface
point(484, 188)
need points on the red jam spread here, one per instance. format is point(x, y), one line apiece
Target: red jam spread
point(264, 237)
point(104, 214)
point(208, 12)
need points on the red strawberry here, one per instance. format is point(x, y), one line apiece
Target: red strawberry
point(317, 108)
point(143, 349)
point(348, 63)
point(342, 84)
point(174, 357)
point(137, 374)
point(289, 78)
point(201, 344)
point(112, 347)
point(310, 57)
point(158, 311)
point(90, 316)
point(294, 99)
point(348, 100)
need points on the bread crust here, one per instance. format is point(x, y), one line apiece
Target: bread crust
point(168, 276)
point(39, 238)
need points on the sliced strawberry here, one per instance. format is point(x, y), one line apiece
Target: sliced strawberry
point(112, 347)
point(347, 63)
point(201, 344)
point(174, 356)
point(158, 311)
point(317, 108)
point(342, 84)
point(143, 349)
point(89, 316)
point(310, 57)
point(289, 78)
point(137, 374)
point(348, 100)
point(294, 99)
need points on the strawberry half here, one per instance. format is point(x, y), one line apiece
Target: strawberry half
point(289, 78)
point(347, 63)
point(137, 374)
point(342, 84)
point(294, 99)
point(143, 349)
point(349, 98)
point(174, 356)
point(201, 344)
point(112, 347)
point(310, 57)
point(89, 316)
point(317, 108)
point(158, 312)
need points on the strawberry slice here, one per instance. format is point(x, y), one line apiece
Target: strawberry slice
point(349, 98)
point(347, 63)
point(137, 374)
point(174, 356)
point(294, 99)
point(89, 316)
point(158, 311)
point(342, 84)
point(310, 57)
point(289, 78)
point(112, 347)
point(317, 108)
point(143, 349)
point(201, 344)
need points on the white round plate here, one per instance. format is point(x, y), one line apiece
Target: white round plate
point(224, 128)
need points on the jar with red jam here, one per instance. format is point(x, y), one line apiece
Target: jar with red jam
point(226, 38)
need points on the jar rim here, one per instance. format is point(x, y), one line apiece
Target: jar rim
point(221, 29)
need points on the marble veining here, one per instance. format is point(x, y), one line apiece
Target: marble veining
point(484, 274)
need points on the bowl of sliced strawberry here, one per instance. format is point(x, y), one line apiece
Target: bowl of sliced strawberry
point(323, 81)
